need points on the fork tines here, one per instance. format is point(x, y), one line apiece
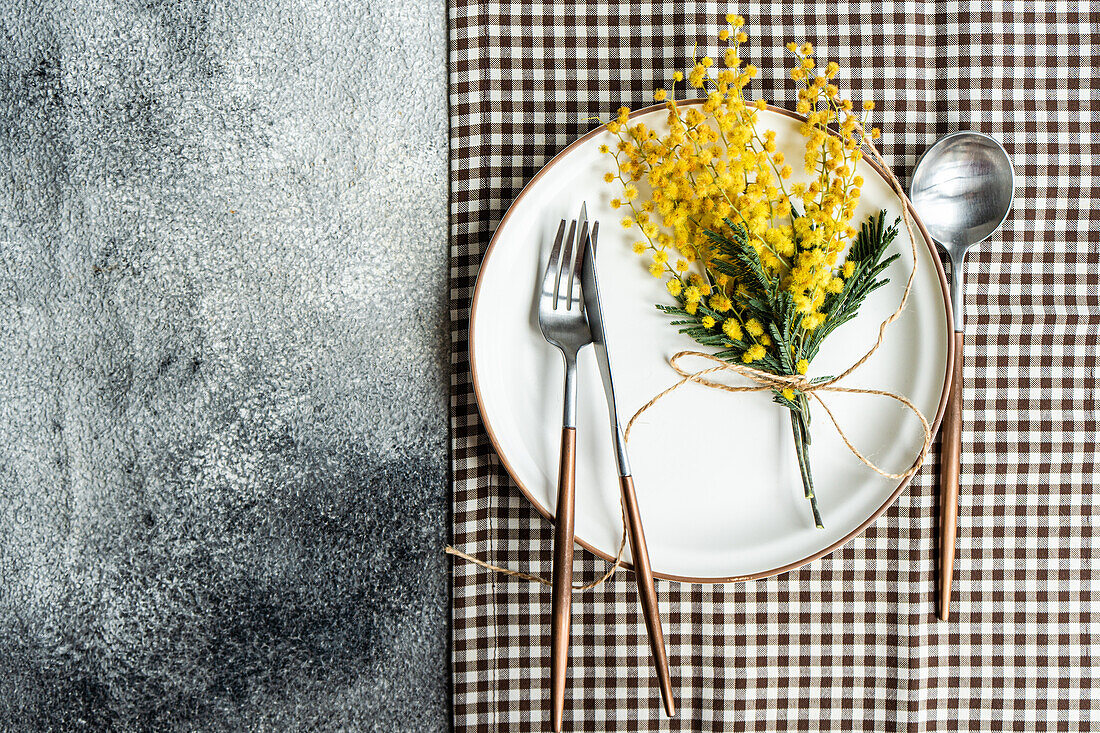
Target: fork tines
point(563, 270)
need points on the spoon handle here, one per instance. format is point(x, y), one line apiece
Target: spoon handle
point(950, 448)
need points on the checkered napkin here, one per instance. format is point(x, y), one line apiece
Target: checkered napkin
point(849, 642)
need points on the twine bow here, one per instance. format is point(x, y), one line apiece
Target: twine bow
point(764, 381)
point(768, 381)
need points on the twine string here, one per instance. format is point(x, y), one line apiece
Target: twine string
point(766, 381)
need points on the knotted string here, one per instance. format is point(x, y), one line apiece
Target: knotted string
point(765, 381)
point(768, 381)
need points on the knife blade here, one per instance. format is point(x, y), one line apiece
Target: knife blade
point(591, 291)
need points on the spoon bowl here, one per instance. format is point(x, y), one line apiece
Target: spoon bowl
point(962, 190)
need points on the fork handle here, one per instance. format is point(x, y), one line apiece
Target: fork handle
point(639, 554)
point(562, 578)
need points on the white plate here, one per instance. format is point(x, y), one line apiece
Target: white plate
point(716, 474)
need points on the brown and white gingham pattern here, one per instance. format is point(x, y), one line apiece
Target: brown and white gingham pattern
point(850, 642)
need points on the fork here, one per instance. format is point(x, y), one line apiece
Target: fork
point(564, 325)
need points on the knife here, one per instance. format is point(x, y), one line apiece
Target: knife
point(640, 555)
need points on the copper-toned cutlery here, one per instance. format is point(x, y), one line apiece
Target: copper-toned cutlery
point(962, 188)
point(563, 324)
point(638, 551)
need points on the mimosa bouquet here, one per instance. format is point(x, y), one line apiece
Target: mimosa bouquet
point(760, 268)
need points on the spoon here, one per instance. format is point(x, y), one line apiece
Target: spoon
point(962, 191)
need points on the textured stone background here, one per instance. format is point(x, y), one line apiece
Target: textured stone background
point(222, 365)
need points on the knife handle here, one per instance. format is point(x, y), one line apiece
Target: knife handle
point(646, 590)
point(562, 576)
point(950, 449)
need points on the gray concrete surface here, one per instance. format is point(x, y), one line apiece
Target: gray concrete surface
point(223, 486)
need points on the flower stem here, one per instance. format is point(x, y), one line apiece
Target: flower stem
point(801, 444)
